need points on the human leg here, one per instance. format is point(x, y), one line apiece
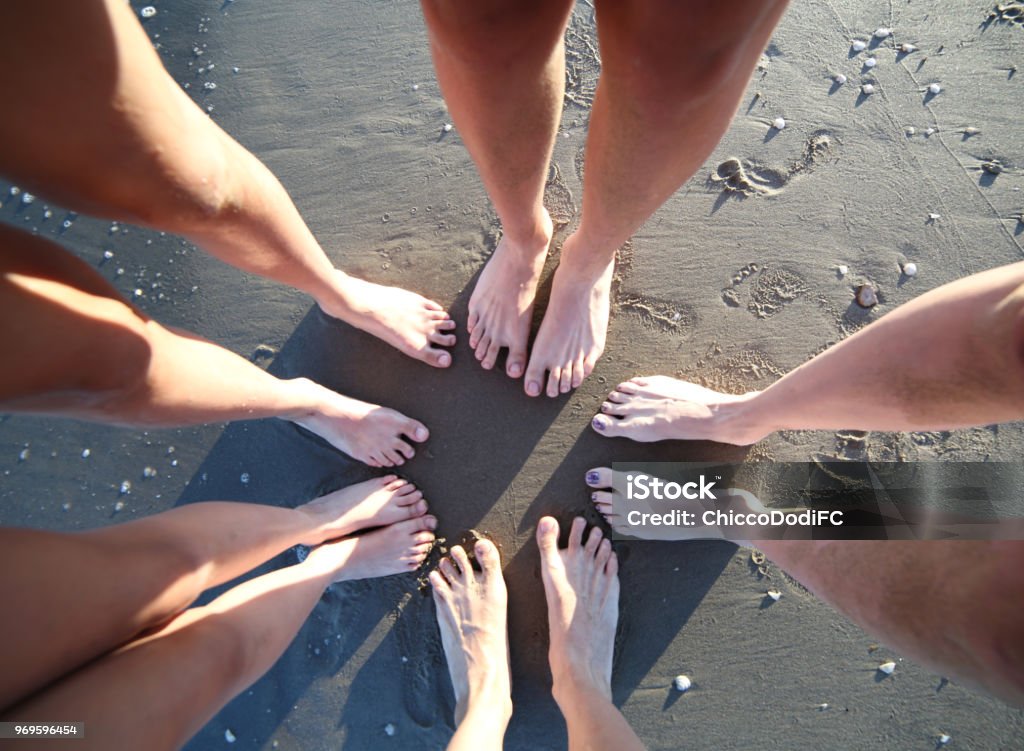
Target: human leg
point(661, 106)
point(582, 587)
point(115, 582)
point(125, 142)
point(501, 66)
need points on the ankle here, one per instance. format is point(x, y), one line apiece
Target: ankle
point(535, 232)
point(490, 702)
point(743, 421)
point(570, 683)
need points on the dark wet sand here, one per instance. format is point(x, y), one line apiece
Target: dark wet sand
point(324, 95)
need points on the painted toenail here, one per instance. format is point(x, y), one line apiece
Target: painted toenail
point(593, 496)
point(593, 478)
point(598, 423)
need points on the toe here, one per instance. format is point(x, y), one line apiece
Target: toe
point(612, 567)
point(576, 532)
point(606, 426)
point(628, 387)
point(476, 335)
point(445, 324)
point(577, 373)
point(439, 583)
point(481, 348)
point(547, 539)
point(618, 396)
point(516, 363)
point(439, 358)
point(394, 458)
point(442, 339)
point(593, 540)
point(416, 430)
point(458, 554)
point(414, 510)
point(611, 408)
point(534, 378)
point(554, 376)
point(604, 552)
point(392, 482)
point(423, 538)
point(488, 557)
point(491, 356)
point(448, 570)
point(403, 448)
point(600, 477)
point(431, 305)
point(474, 319)
point(602, 498)
point(565, 380)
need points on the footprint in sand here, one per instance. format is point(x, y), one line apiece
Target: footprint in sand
point(558, 198)
point(772, 289)
point(745, 178)
point(1008, 13)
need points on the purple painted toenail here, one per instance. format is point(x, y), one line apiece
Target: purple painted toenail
point(592, 478)
point(598, 423)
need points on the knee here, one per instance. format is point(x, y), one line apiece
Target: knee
point(503, 35)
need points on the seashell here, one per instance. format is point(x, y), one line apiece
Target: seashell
point(934, 88)
point(15, 190)
point(992, 166)
point(682, 683)
point(389, 730)
point(108, 254)
point(119, 506)
point(870, 62)
point(868, 88)
point(47, 214)
point(840, 79)
point(911, 130)
point(149, 472)
point(933, 217)
point(774, 594)
point(234, 69)
point(229, 736)
point(970, 131)
point(209, 86)
point(887, 667)
point(148, 12)
point(882, 32)
point(779, 123)
point(910, 268)
point(929, 131)
point(866, 296)
point(843, 269)
point(943, 739)
point(27, 198)
point(757, 557)
point(244, 479)
point(447, 127)
point(85, 453)
point(415, 87)
point(23, 455)
point(907, 48)
point(126, 487)
point(858, 45)
point(823, 706)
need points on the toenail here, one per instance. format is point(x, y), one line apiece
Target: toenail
point(593, 496)
point(592, 478)
point(515, 370)
point(444, 361)
point(533, 388)
point(421, 434)
point(598, 423)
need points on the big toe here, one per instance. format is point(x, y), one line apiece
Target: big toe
point(416, 430)
point(547, 539)
point(489, 558)
point(600, 477)
point(607, 426)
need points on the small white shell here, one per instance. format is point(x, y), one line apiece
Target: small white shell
point(929, 131)
point(85, 453)
point(682, 683)
point(15, 190)
point(840, 79)
point(23, 455)
point(389, 730)
point(907, 48)
point(149, 472)
point(911, 130)
point(447, 127)
point(943, 739)
point(934, 88)
point(868, 88)
point(933, 217)
point(870, 62)
point(823, 706)
point(108, 254)
point(229, 736)
point(910, 268)
point(148, 12)
point(415, 87)
point(27, 198)
point(858, 45)
point(126, 487)
point(779, 123)
point(244, 479)
point(119, 506)
point(843, 269)
point(774, 594)
point(887, 667)
point(882, 32)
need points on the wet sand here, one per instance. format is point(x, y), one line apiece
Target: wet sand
point(732, 283)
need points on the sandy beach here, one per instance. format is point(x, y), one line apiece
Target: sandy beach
point(733, 282)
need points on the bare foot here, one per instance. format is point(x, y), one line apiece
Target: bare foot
point(410, 323)
point(472, 614)
point(582, 588)
point(364, 431)
point(396, 549)
point(502, 302)
point(374, 503)
point(572, 335)
point(658, 408)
